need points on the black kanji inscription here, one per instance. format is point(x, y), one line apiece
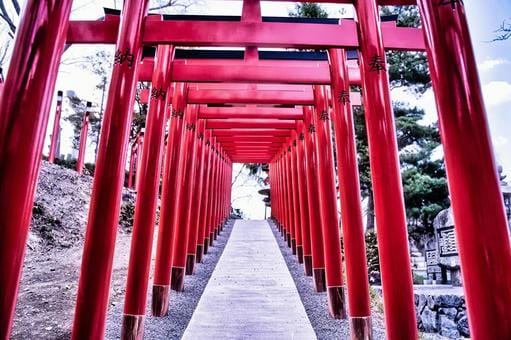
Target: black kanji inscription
point(344, 97)
point(121, 57)
point(377, 63)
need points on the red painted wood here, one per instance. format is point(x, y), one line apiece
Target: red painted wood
point(24, 111)
point(349, 190)
point(386, 178)
point(148, 188)
point(83, 139)
point(55, 136)
point(96, 269)
point(481, 229)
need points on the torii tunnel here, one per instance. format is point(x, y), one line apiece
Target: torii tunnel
point(278, 107)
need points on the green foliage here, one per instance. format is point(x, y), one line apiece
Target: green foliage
point(78, 109)
point(417, 279)
point(308, 10)
point(407, 69)
point(373, 257)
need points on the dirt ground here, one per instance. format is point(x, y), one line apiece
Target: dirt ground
point(47, 293)
point(48, 289)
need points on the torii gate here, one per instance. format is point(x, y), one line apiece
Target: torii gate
point(200, 151)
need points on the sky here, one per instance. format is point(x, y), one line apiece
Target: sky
point(493, 58)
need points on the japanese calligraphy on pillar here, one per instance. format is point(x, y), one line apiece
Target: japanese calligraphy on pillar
point(377, 63)
point(324, 116)
point(177, 114)
point(158, 93)
point(344, 97)
point(122, 57)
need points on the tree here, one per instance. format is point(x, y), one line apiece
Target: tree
point(308, 10)
point(424, 184)
point(78, 109)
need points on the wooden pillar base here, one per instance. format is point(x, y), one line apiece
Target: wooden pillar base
point(132, 327)
point(190, 264)
point(307, 264)
point(198, 253)
point(288, 237)
point(319, 279)
point(361, 328)
point(299, 253)
point(206, 245)
point(293, 246)
point(177, 282)
point(336, 302)
point(160, 302)
point(211, 239)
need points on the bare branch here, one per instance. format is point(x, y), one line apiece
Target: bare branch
point(504, 31)
point(238, 175)
point(16, 6)
point(5, 15)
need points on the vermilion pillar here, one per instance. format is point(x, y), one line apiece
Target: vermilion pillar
point(349, 190)
point(282, 210)
point(96, 270)
point(140, 151)
point(214, 216)
point(303, 199)
point(147, 196)
point(83, 139)
point(386, 178)
point(55, 136)
point(194, 211)
point(296, 199)
point(132, 165)
point(284, 225)
point(316, 234)
point(204, 231)
point(184, 188)
point(203, 195)
point(481, 227)
point(328, 206)
point(209, 225)
point(24, 109)
point(291, 238)
point(163, 261)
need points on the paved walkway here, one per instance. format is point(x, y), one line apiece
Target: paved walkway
point(251, 294)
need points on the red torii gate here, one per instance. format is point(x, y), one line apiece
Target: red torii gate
point(300, 156)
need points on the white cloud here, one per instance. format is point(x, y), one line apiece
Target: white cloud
point(500, 141)
point(490, 63)
point(496, 93)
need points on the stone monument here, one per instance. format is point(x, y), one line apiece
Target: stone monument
point(447, 258)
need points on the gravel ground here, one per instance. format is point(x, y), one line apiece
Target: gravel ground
point(182, 305)
point(316, 303)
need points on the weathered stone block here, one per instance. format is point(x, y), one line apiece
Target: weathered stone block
point(449, 312)
point(432, 302)
point(448, 327)
point(422, 301)
point(429, 321)
point(448, 300)
point(463, 326)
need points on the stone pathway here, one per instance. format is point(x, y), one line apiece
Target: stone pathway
point(251, 294)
